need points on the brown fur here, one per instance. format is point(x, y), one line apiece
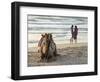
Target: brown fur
point(46, 47)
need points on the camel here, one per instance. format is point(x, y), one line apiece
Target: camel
point(47, 47)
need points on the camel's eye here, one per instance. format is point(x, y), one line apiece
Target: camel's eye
point(44, 43)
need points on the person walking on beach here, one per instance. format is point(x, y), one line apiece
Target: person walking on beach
point(72, 33)
point(75, 34)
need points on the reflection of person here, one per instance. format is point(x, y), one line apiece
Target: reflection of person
point(75, 34)
point(71, 39)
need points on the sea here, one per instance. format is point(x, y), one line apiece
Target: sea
point(58, 26)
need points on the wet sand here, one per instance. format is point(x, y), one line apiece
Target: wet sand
point(68, 54)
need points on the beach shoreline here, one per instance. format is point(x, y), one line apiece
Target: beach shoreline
point(69, 54)
point(59, 46)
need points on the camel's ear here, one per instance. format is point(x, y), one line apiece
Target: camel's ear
point(41, 34)
point(50, 33)
point(47, 33)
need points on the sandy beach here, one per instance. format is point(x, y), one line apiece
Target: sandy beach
point(68, 54)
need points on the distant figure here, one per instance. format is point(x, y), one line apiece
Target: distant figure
point(75, 34)
point(72, 33)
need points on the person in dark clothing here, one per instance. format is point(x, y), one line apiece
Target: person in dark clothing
point(75, 34)
point(72, 29)
point(72, 33)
